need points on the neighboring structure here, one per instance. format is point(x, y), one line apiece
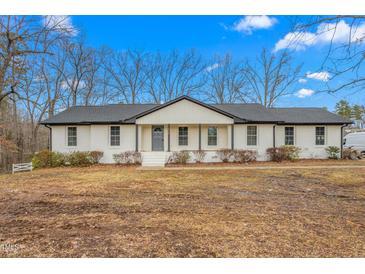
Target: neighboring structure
point(188, 124)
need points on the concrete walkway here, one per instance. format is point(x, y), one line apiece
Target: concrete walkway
point(253, 167)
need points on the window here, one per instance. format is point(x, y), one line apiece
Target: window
point(115, 135)
point(72, 136)
point(289, 136)
point(212, 136)
point(183, 136)
point(251, 135)
point(320, 135)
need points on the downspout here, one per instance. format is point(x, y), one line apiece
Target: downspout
point(273, 136)
point(50, 138)
point(341, 146)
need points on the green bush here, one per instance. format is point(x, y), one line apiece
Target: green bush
point(46, 158)
point(79, 158)
point(291, 152)
point(333, 152)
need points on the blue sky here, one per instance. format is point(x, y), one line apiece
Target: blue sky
point(212, 35)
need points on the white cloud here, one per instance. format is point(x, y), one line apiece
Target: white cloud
point(321, 76)
point(250, 23)
point(325, 33)
point(212, 67)
point(304, 93)
point(302, 80)
point(60, 23)
point(67, 86)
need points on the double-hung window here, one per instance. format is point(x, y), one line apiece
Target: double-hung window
point(115, 135)
point(289, 136)
point(320, 136)
point(72, 136)
point(183, 136)
point(212, 136)
point(252, 135)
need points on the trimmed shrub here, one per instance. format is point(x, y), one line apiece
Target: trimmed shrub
point(179, 157)
point(278, 154)
point(333, 152)
point(350, 154)
point(128, 157)
point(79, 158)
point(244, 156)
point(46, 158)
point(225, 154)
point(96, 156)
point(199, 155)
point(291, 152)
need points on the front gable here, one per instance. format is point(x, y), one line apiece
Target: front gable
point(184, 111)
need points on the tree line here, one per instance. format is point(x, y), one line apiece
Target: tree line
point(46, 66)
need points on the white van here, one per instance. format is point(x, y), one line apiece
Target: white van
point(355, 141)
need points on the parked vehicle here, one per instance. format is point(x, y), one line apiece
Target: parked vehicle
point(355, 141)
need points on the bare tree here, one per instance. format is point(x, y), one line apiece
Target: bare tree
point(225, 81)
point(345, 54)
point(174, 75)
point(272, 77)
point(77, 67)
point(127, 74)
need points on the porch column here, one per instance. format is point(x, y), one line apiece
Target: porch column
point(232, 136)
point(200, 137)
point(168, 137)
point(136, 138)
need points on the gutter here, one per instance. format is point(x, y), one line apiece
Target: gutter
point(50, 136)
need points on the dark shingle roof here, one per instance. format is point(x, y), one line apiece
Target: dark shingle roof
point(307, 116)
point(251, 113)
point(98, 114)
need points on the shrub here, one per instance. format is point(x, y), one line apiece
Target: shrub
point(79, 158)
point(199, 155)
point(291, 152)
point(333, 152)
point(244, 156)
point(46, 158)
point(128, 157)
point(96, 156)
point(278, 154)
point(179, 157)
point(225, 155)
point(350, 154)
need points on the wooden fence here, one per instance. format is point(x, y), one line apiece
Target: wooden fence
point(22, 167)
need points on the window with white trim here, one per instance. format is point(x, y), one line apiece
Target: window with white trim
point(212, 136)
point(115, 135)
point(72, 136)
point(289, 136)
point(252, 135)
point(320, 136)
point(183, 136)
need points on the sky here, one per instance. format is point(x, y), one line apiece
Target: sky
point(241, 36)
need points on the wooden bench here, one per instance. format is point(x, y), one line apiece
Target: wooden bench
point(22, 167)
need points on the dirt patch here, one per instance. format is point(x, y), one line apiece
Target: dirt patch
point(110, 211)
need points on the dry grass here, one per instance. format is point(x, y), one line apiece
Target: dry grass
point(108, 211)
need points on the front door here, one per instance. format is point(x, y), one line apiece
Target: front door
point(157, 138)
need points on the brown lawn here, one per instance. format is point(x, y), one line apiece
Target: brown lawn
point(109, 211)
